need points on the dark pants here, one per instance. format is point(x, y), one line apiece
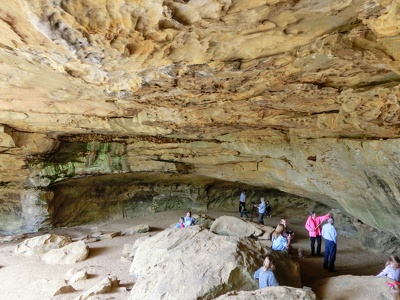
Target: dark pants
point(241, 206)
point(312, 240)
point(330, 254)
point(261, 218)
point(244, 212)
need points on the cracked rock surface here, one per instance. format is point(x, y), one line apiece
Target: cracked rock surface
point(110, 97)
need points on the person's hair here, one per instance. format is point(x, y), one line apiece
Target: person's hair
point(189, 212)
point(182, 219)
point(285, 221)
point(262, 199)
point(269, 263)
point(394, 259)
point(278, 230)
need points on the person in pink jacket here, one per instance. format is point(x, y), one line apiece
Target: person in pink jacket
point(313, 225)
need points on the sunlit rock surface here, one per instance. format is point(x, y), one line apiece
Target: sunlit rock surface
point(113, 103)
point(210, 265)
point(349, 287)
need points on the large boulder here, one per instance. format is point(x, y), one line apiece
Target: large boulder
point(41, 244)
point(195, 263)
point(271, 293)
point(204, 220)
point(350, 287)
point(69, 254)
point(227, 225)
point(103, 287)
point(142, 228)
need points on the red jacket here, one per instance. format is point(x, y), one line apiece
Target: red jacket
point(311, 225)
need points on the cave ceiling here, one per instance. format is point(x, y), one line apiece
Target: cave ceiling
point(299, 96)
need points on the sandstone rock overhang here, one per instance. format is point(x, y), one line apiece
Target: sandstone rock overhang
point(300, 96)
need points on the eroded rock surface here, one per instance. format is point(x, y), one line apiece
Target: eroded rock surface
point(69, 254)
point(271, 293)
point(41, 244)
point(352, 287)
point(232, 226)
point(195, 263)
point(177, 96)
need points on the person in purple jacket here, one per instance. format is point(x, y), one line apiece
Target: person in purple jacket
point(313, 225)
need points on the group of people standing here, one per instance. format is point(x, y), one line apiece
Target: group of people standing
point(281, 242)
point(281, 239)
point(328, 233)
point(264, 208)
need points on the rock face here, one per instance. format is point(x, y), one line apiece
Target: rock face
point(272, 293)
point(352, 287)
point(232, 226)
point(41, 244)
point(195, 263)
point(106, 105)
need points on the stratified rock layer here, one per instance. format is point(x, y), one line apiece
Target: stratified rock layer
point(176, 96)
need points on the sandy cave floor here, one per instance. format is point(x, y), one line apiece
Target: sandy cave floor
point(30, 278)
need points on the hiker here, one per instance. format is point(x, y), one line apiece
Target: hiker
point(265, 274)
point(189, 220)
point(313, 225)
point(279, 242)
point(261, 210)
point(181, 222)
point(330, 237)
point(242, 201)
point(392, 268)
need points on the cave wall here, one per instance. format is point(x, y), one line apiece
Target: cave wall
point(297, 96)
point(359, 179)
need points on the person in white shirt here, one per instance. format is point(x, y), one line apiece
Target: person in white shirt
point(242, 201)
point(330, 236)
point(189, 220)
point(261, 210)
point(392, 268)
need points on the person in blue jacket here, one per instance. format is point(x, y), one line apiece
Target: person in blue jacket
point(265, 275)
point(261, 210)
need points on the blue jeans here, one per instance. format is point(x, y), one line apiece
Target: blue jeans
point(330, 254)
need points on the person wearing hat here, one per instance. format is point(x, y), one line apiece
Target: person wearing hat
point(314, 230)
point(329, 234)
